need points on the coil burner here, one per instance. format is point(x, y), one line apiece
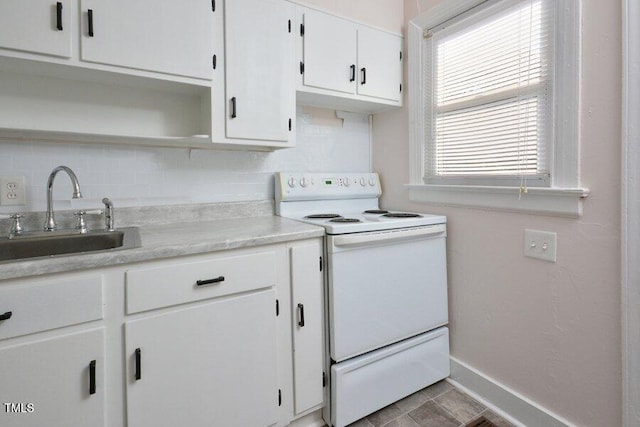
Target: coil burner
point(344, 220)
point(322, 216)
point(402, 215)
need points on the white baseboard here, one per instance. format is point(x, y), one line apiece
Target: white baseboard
point(511, 405)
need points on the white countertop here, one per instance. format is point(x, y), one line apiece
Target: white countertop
point(173, 240)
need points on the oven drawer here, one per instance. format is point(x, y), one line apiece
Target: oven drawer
point(364, 384)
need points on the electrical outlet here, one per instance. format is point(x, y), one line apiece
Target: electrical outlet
point(12, 190)
point(540, 244)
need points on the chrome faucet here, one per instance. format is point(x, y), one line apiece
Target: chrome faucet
point(50, 223)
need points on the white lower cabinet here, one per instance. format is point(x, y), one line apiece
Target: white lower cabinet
point(227, 339)
point(213, 364)
point(54, 382)
point(308, 329)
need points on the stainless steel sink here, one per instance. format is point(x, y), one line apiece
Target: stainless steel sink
point(51, 244)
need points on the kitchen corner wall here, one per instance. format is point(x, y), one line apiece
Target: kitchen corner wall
point(136, 176)
point(548, 331)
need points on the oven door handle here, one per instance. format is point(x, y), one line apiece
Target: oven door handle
point(364, 239)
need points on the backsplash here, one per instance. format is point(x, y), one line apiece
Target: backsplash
point(144, 176)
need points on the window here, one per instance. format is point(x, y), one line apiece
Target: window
point(496, 110)
point(488, 95)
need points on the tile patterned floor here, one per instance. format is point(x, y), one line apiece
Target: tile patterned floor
point(440, 405)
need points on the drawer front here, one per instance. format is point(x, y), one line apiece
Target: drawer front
point(364, 384)
point(186, 281)
point(50, 304)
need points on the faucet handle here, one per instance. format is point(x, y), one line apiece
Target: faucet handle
point(16, 226)
point(80, 222)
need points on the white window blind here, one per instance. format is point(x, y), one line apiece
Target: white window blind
point(489, 95)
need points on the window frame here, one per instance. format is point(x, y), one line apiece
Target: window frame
point(564, 195)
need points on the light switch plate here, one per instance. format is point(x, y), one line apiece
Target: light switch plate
point(12, 190)
point(540, 244)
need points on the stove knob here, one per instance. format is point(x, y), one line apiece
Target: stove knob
point(363, 182)
point(372, 181)
point(304, 182)
point(292, 182)
point(347, 182)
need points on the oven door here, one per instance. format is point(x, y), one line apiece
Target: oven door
point(385, 286)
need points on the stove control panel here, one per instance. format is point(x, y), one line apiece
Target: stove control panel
point(318, 186)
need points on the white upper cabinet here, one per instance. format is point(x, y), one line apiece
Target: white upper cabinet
point(38, 26)
point(379, 64)
point(172, 37)
point(329, 53)
point(254, 93)
point(347, 65)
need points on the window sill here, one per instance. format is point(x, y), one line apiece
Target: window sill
point(565, 202)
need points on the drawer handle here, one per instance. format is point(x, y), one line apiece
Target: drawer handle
point(210, 281)
point(59, 16)
point(301, 315)
point(92, 377)
point(138, 364)
point(6, 316)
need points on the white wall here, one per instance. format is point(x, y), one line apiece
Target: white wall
point(551, 332)
point(133, 176)
point(385, 14)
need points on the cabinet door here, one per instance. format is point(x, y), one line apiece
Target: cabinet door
point(172, 37)
point(308, 330)
point(379, 64)
point(329, 52)
point(49, 382)
point(40, 26)
point(209, 365)
point(258, 74)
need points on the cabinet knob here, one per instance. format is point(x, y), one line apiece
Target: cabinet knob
point(90, 19)
point(301, 315)
point(59, 16)
point(6, 316)
point(233, 108)
point(92, 377)
point(138, 354)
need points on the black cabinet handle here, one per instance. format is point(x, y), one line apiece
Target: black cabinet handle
point(233, 107)
point(213, 5)
point(301, 315)
point(138, 364)
point(364, 76)
point(90, 17)
point(6, 316)
point(59, 16)
point(215, 61)
point(353, 73)
point(92, 377)
point(210, 281)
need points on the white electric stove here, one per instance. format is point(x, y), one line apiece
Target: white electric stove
point(386, 290)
